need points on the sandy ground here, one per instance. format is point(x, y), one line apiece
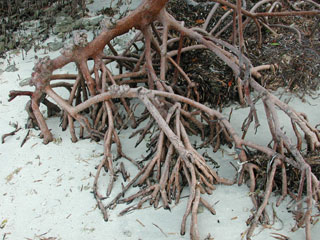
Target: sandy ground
point(46, 189)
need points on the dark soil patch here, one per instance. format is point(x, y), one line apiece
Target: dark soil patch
point(14, 13)
point(299, 63)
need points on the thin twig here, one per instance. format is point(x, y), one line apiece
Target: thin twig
point(160, 230)
point(10, 134)
point(25, 139)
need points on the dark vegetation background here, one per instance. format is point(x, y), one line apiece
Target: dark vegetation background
point(24, 24)
point(13, 14)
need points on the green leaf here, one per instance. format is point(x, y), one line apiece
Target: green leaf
point(274, 44)
point(3, 224)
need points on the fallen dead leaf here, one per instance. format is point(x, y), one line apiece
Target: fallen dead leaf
point(10, 176)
